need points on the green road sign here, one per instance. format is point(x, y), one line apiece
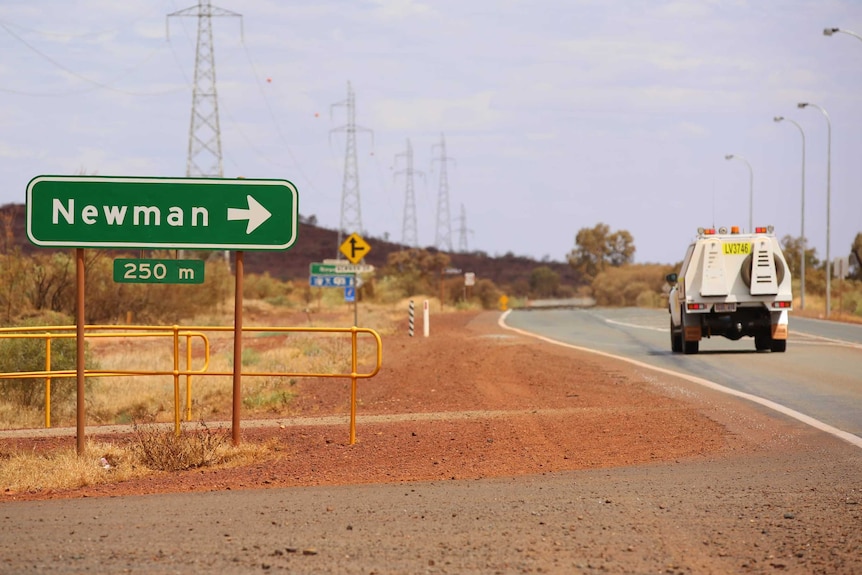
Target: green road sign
point(337, 269)
point(159, 271)
point(170, 213)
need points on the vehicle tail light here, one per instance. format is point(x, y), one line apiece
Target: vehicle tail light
point(781, 304)
point(695, 306)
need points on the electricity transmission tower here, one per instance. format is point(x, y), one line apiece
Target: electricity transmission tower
point(409, 229)
point(443, 235)
point(205, 157)
point(351, 210)
point(463, 231)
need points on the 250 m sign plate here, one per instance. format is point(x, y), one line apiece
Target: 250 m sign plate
point(159, 271)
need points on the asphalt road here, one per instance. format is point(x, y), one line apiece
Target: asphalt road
point(792, 505)
point(819, 376)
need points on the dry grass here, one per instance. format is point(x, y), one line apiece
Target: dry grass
point(153, 447)
point(150, 449)
point(125, 399)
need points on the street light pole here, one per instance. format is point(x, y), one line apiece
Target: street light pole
point(828, 199)
point(830, 31)
point(750, 190)
point(802, 232)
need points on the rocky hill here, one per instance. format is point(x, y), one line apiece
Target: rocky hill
point(314, 244)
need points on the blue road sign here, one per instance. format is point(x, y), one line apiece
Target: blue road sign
point(331, 281)
point(350, 294)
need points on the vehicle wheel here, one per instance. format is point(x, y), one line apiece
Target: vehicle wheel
point(675, 339)
point(762, 342)
point(779, 345)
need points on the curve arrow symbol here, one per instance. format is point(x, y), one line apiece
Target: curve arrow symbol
point(256, 214)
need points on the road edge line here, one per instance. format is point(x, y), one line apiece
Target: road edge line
point(784, 410)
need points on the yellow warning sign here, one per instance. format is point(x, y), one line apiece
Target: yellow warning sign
point(355, 248)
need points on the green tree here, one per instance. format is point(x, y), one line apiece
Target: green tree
point(598, 248)
point(856, 257)
point(544, 282)
point(792, 248)
point(416, 270)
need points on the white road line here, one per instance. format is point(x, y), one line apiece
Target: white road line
point(624, 324)
point(806, 419)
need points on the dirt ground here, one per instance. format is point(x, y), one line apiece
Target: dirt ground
point(475, 401)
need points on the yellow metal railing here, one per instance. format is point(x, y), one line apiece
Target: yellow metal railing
point(50, 333)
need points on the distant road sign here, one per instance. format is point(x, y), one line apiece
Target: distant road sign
point(342, 268)
point(169, 213)
point(159, 271)
point(350, 294)
point(355, 248)
point(331, 281)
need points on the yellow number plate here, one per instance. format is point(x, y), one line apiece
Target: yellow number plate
point(736, 248)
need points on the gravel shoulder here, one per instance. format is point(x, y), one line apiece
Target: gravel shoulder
point(479, 451)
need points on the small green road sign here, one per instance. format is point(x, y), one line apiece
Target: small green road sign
point(169, 213)
point(340, 268)
point(159, 271)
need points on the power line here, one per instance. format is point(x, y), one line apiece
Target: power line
point(95, 84)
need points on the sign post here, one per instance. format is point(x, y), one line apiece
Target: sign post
point(160, 213)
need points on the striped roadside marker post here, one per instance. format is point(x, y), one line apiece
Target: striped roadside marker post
point(410, 318)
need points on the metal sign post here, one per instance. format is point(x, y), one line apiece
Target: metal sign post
point(160, 213)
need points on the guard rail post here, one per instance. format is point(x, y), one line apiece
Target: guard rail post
point(176, 338)
point(188, 377)
point(353, 365)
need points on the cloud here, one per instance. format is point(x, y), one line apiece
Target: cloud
point(401, 9)
point(474, 112)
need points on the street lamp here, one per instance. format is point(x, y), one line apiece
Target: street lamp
point(802, 264)
point(750, 190)
point(830, 31)
point(828, 198)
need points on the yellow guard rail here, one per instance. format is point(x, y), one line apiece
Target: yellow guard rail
point(49, 333)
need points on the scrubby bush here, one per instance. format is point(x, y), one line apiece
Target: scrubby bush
point(29, 354)
point(487, 293)
point(631, 285)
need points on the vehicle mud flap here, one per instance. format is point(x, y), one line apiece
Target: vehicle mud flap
point(779, 324)
point(691, 329)
point(691, 335)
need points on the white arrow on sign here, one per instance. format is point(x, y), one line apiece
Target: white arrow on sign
point(256, 214)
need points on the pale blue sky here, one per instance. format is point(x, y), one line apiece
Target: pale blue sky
point(559, 114)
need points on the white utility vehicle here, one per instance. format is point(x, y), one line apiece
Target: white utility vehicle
point(733, 285)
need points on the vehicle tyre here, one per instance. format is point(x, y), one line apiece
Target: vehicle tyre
point(745, 271)
point(779, 345)
point(762, 342)
point(675, 339)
